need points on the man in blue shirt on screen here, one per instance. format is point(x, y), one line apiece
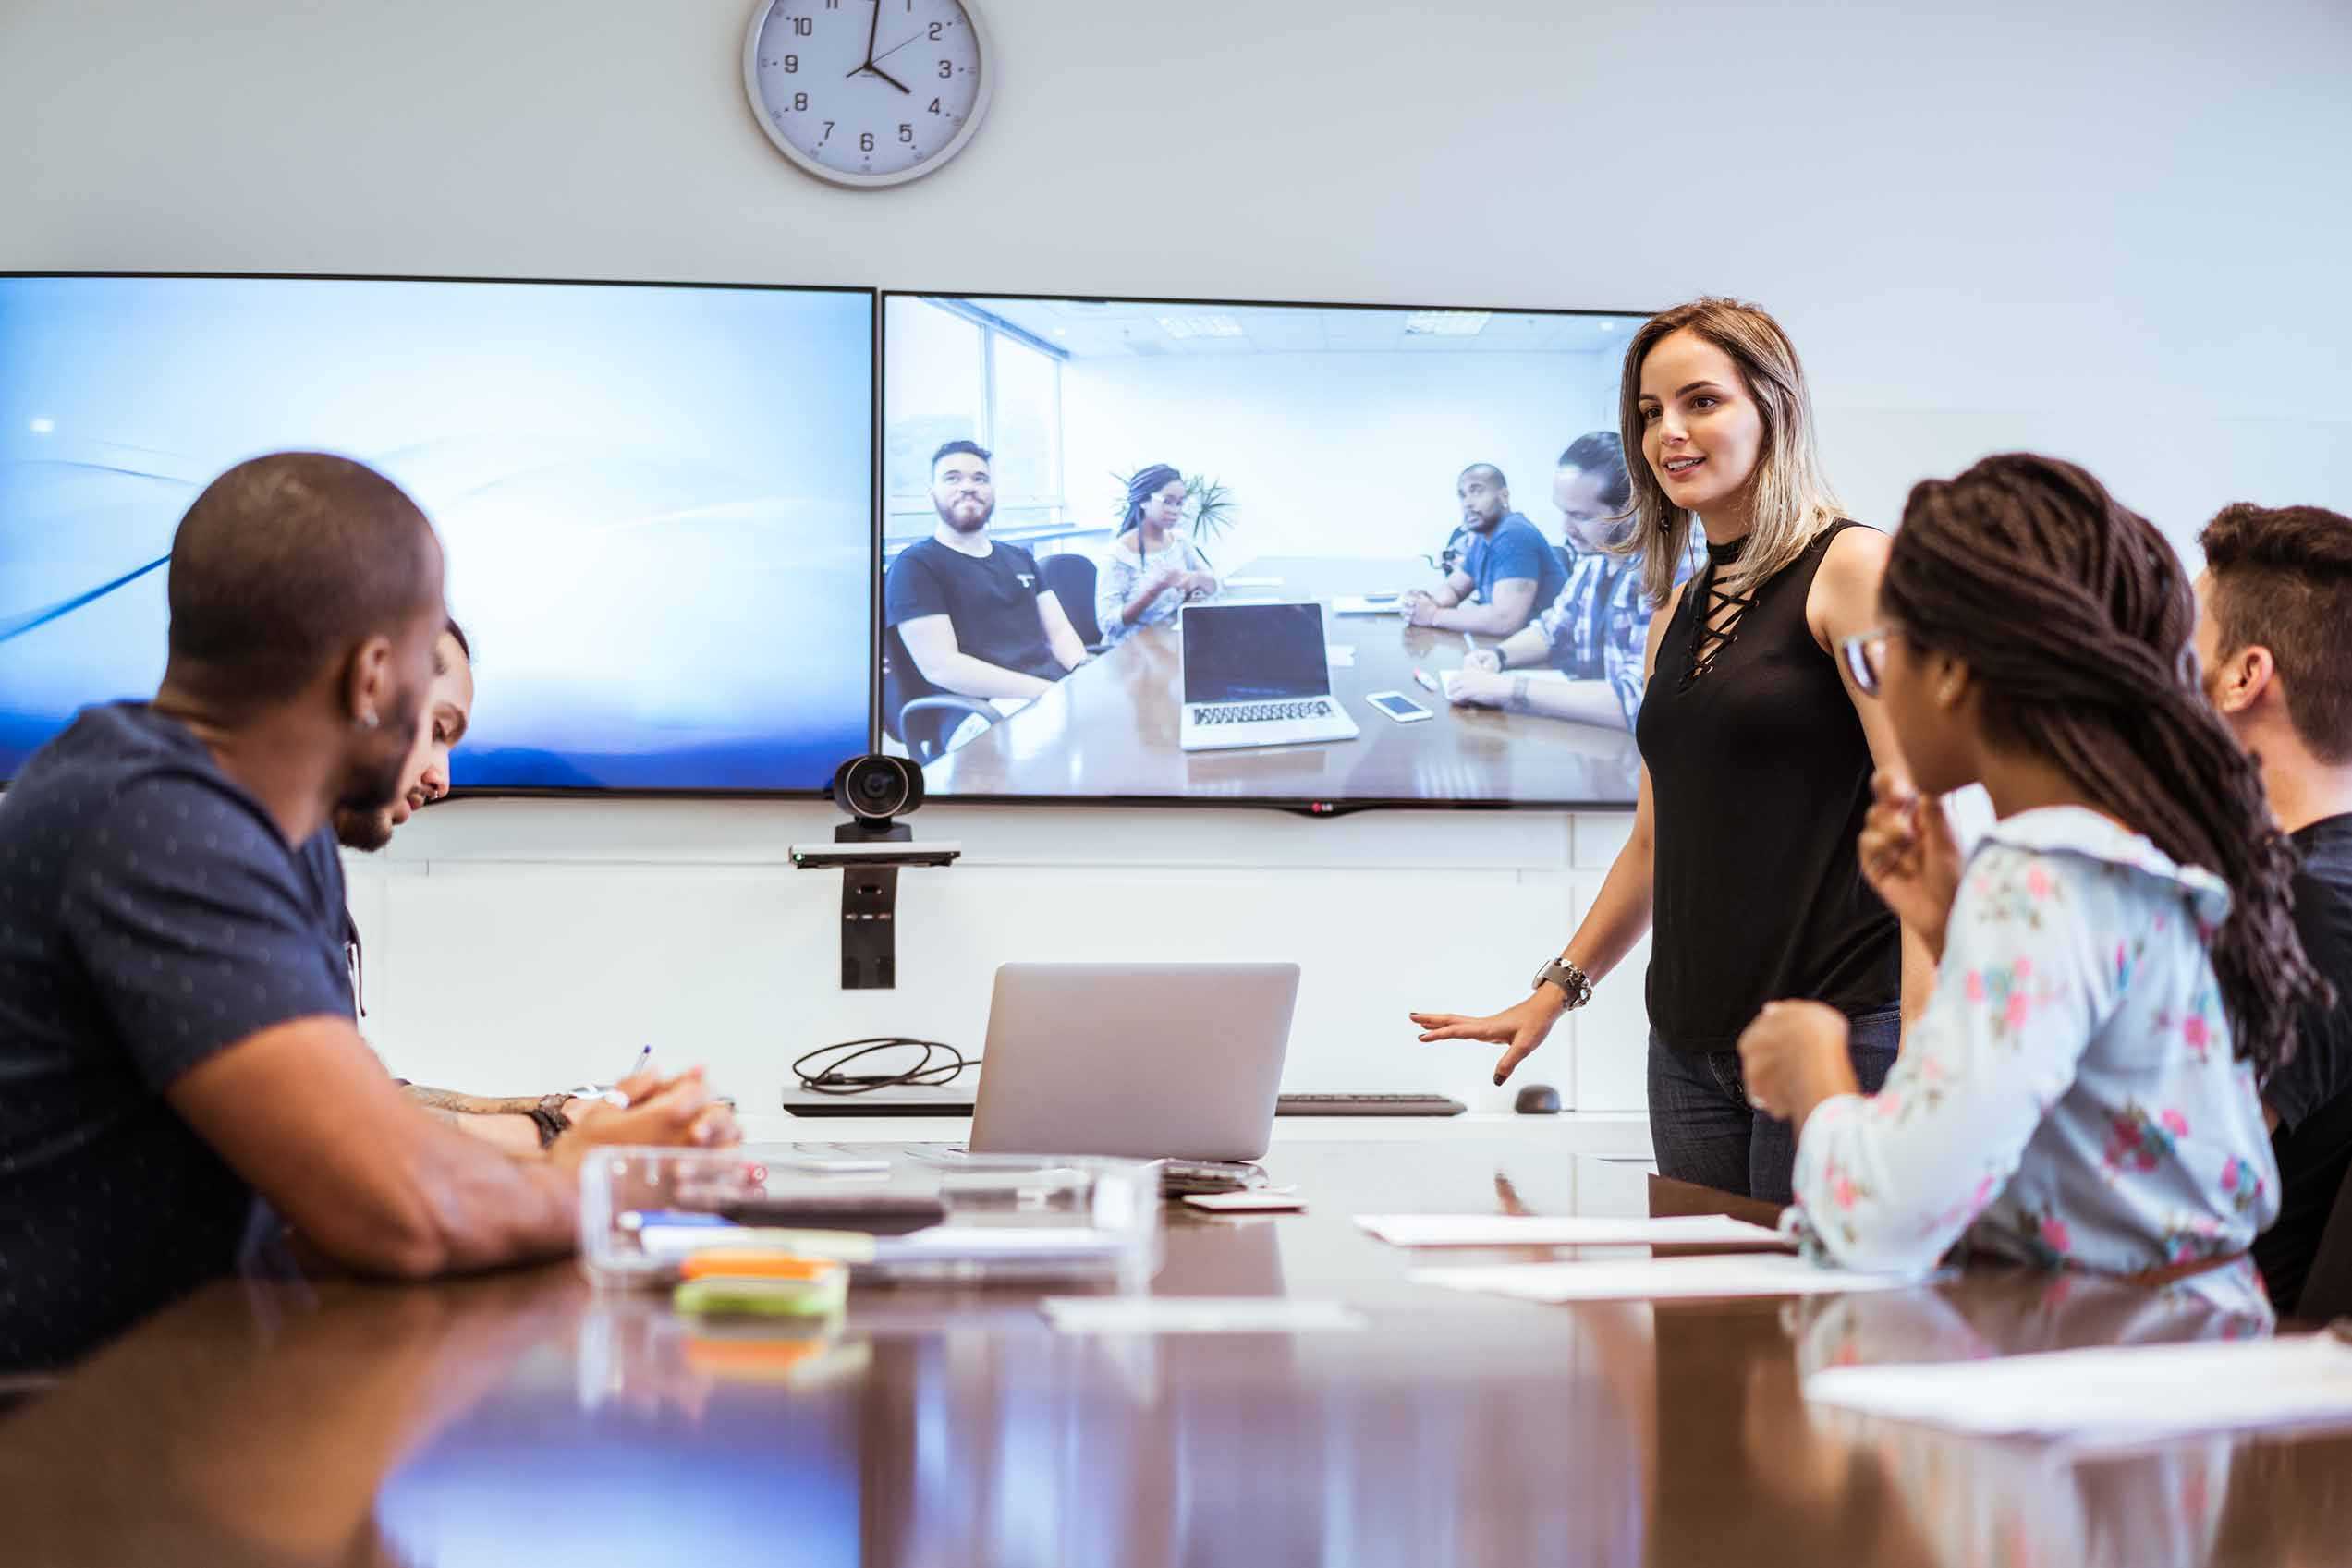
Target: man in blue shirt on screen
point(1508, 572)
point(974, 613)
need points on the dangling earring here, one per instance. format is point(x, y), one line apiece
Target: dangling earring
point(367, 721)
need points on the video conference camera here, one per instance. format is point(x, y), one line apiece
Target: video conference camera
point(875, 790)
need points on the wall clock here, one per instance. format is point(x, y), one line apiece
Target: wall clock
point(868, 93)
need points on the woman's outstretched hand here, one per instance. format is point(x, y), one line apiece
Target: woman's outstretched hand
point(1519, 1029)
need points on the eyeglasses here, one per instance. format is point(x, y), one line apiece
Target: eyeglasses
point(1864, 655)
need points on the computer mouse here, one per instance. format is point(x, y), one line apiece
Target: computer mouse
point(1538, 1100)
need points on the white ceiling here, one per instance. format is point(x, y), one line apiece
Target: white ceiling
point(1089, 329)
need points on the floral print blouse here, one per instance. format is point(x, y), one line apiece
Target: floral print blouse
point(1121, 570)
point(2068, 1098)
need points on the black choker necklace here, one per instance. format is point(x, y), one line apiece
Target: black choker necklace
point(1724, 554)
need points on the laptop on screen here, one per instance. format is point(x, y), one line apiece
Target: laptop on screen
point(1256, 674)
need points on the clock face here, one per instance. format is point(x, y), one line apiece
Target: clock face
point(867, 91)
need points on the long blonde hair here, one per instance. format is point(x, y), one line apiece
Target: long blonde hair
point(1789, 500)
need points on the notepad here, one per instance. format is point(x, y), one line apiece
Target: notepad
point(1253, 582)
point(2115, 1396)
point(1548, 1230)
point(1195, 1315)
point(1365, 604)
point(1660, 1279)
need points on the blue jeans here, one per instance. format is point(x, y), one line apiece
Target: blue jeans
point(1704, 1130)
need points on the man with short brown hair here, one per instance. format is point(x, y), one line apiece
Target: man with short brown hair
point(2274, 638)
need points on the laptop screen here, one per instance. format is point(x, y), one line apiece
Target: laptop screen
point(1254, 652)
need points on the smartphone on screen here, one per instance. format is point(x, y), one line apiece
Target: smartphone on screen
point(1398, 706)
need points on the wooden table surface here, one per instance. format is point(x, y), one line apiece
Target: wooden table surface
point(527, 1419)
point(1110, 728)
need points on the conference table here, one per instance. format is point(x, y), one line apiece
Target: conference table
point(528, 1417)
point(1109, 729)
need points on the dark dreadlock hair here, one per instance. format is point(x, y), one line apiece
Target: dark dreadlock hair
point(2075, 617)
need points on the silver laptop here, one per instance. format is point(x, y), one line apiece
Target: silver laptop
point(1256, 674)
point(1148, 1061)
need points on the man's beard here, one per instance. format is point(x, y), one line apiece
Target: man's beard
point(947, 515)
point(363, 816)
point(364, 831)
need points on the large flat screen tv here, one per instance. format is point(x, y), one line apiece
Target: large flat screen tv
point(1070, 479)
point(656, 501)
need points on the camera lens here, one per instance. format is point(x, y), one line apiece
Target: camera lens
point(877, 788)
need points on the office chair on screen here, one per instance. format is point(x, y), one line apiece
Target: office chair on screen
point(2327, 1289)
point(917, 714)
point(1071, 577)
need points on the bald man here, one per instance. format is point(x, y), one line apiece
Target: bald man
point(176, 1023)
point(1508, 571)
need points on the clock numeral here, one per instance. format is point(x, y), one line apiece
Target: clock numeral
point(866, 142)
point(827, 135)
point(936, 28)
point(792, 64)
point(906, 134)
point(832, 4)
point(936, 108)
point(800, 102)
point(946, 69)
point(802, 27)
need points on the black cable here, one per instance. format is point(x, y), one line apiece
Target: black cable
point(830, 1078)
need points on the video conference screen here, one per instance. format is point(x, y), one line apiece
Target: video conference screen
point(1062, 477)
point(655, 502)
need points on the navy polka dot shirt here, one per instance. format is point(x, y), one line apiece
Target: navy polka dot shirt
point(150, 915)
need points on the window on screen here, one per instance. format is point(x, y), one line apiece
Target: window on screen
point(959, 376)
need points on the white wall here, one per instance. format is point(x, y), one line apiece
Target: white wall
point(2113, 229)
point(1335, 454)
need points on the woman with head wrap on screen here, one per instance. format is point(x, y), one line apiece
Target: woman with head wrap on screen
point(1150, 569)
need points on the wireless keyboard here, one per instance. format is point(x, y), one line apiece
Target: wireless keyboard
point(1367, 1105)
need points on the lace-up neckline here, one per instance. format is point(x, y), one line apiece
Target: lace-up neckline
point(1716, 625)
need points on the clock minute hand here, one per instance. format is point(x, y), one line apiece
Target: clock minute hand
point(873, 26)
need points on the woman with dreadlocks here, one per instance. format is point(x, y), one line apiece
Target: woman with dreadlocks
point(2117, 963)
point(1756, 753)
point(1150, 569)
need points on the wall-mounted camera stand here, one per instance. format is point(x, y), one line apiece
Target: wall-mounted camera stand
point(870, 849)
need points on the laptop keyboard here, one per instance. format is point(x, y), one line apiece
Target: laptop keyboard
point(1262, 713)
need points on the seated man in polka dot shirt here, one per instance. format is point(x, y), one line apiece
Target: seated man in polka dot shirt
point(176, 1038)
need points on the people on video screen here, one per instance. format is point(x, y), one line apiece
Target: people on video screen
point(1508, 571)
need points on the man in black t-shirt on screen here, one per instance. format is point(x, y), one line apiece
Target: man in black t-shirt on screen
point(2274, 638)
point(974, 613)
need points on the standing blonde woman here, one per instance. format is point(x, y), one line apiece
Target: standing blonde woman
point(1757, 753)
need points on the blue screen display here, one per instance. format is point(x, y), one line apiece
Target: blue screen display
point(655, 502)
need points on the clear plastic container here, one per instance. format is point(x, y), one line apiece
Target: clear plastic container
point(935, 1216)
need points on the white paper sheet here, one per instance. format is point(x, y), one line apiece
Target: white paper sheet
point(1547, 1229)
point(1660, 1279)
point(2113, 1396)
point(1253, 582)
point(1358, 605)
point(1195, 1315)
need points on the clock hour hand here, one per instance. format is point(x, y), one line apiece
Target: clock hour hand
point(876, 70)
